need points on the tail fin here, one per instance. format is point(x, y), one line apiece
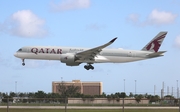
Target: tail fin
point(155, 43)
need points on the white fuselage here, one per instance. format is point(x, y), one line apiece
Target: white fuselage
point(73, 56)
point(105, 56)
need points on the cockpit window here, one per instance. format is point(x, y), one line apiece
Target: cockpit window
point(20, 50)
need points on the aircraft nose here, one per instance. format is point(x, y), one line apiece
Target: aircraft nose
point(16, 54)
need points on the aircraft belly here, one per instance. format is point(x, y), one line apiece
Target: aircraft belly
point(101, 59)
point(117, 59)
point(39, 56)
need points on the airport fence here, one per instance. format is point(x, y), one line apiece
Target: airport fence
point(87, 102)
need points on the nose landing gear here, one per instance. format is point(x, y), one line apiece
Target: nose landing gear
point(23, 63)
point(88, 66)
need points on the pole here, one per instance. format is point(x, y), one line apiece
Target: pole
point(179, 104)
point(65, 104)
point(123, 94)
point(178, 95)
point(8, 104)
point(124, 85)
point(154, 90)
point(123, 104)
point(177, 90)
point(16, 88)
point(135, 87)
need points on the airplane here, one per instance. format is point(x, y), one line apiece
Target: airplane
point(74, 56)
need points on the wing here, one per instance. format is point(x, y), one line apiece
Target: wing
point(88, 55)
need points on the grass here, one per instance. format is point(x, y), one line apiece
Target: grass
point(86, 110)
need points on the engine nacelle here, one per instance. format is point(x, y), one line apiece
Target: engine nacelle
point(69, 59)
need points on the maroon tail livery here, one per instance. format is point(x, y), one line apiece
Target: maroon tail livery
point(155, 43)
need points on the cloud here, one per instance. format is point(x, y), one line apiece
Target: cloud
point(134, 18)
point(177, 41)
point(161, 17)
point(70, 5)
point(95, 27)
point(27, 24)
point(156, 18)
point(24, 23)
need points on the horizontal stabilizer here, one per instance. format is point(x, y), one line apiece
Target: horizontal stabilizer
point(156, 54)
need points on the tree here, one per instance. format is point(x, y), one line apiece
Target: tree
point(1, 94)
point(21, 95)
point(103, 94)
point(31, 95)
point(6, 98)
point(40, 94)
point(154, 98)
point(78, 95)
point(12, 94)
point(146, 95)
point(138, 97)
point(53, 95)
point(72, 90)
point(69, 90)
point(109, 97)
point(66, 91)
point(170, 99)
point(131, 95)
point(169, 96)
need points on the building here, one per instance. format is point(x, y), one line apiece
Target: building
point(86, 88)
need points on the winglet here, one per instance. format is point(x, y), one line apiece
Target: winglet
point(113, 40)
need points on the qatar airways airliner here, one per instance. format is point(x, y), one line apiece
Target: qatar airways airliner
point(74, 56)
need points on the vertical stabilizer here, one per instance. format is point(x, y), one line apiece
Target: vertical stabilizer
point(155, 43)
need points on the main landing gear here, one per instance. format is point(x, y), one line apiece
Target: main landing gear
point(88, 66)
point(23, 63)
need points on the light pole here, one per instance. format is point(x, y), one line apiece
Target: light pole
point(178, 95)
point(135, 87)
point(124, 85)
point(16, 88)
point(177, 90)
point(154, 90)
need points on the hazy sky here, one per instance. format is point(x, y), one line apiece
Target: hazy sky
point(89, 23)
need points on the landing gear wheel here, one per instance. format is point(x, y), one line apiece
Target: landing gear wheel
point(88, 66)
point(92, 67)
point(23, 63)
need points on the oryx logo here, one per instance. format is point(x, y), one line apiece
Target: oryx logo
point(156, 43)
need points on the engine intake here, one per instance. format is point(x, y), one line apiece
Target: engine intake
point(69, 59)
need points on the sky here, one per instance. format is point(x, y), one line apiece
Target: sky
point(89, 23)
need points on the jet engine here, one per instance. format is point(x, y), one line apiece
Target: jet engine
point(69, 59)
